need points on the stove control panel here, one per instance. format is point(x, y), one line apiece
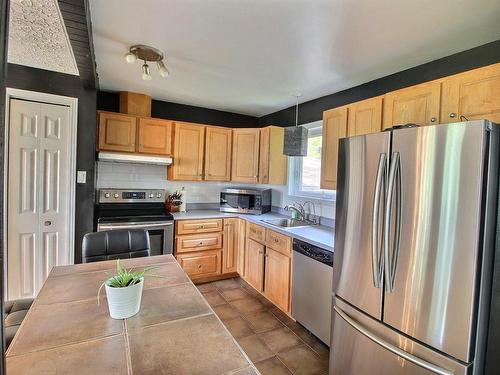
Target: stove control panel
point(131, 196)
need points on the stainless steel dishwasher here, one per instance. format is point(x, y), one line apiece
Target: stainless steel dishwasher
point(312, 287)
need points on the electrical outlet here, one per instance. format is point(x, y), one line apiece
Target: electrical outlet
point(81, 177)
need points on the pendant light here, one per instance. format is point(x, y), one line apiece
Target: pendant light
point(296, 136)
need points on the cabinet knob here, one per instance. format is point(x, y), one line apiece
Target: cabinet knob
point(453, 115)
point(261, 252)
point(200, 243)
point(433, 119)
point(199, 266)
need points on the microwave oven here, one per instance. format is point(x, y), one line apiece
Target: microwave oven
point(245, 200)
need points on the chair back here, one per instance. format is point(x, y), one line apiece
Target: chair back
point(115, 244)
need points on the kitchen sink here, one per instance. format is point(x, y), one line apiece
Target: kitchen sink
point(287, 223)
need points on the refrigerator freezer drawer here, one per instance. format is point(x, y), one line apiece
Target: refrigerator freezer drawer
point(363, 346)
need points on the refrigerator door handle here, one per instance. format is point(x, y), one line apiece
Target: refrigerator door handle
point(389, 269)
point(399, 218)
point(393, 349)
point(377, 260)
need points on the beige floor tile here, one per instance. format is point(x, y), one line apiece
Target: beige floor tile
point(272, 366)
point(234, 294)
point(262, 321)
point(226, 312)
point(161, 305)
point(65, 323)
point(280, 339)
point(214, 298)
point(238, 327)
point(227, 284)
point(208, 287)
point(244, 371)
point(103, 356)
point(195, 346)
point(321, 349)
point(304, 334)
point(248, 305)
point(255, 348)
point(303, 361)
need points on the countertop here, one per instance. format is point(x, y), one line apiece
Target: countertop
point(318, 235)
point(175, 332)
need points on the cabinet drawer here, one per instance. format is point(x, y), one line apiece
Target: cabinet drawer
point(257, 233)
point(202, 263)
point(197, 242)
point(279, 242)
point(199, 226)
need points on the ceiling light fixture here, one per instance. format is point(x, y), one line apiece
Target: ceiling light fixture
point(295, 143)
point(147, 54)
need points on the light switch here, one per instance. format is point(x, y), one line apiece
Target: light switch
point(81, 177)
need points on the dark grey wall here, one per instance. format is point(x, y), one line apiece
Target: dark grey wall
point(110, 101)
point(27, 78)
point(460, 62)
point(4, 8)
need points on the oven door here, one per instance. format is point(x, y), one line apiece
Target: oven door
point(161, 234)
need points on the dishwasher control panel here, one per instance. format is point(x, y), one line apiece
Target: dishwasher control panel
point(313, 252)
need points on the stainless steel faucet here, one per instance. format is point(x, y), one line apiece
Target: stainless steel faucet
point(315, 220)
point(299, 210)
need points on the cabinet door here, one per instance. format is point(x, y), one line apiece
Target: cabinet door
point(230, 248)
point(334, 128)
point(201, 264)
point(155, 136)
point(474, 95)
point(240, 268)
point(272, 163)
point(117, 132)
point(218, 154)
point(265, 139)
point(245, 163)
point(418, 104)
point(277, 279)
point(188, 152)
point(365, 117)
point(254, 267)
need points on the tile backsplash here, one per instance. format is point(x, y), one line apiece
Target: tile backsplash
point(144, 176)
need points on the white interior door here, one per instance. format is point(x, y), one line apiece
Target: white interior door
point(38, 194)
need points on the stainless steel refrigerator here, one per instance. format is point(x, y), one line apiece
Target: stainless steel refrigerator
point(414, 244)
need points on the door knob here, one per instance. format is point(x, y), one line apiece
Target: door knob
point(47, 223)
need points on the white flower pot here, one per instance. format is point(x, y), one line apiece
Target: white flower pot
point(124, 302)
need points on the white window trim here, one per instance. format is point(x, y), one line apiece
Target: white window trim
point(295, 175)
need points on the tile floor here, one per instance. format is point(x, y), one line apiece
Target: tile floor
point(274, 342)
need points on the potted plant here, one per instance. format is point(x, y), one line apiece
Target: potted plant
point(124, 291)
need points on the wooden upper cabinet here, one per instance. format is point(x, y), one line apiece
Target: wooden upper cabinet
point(334, 128)
point(418, 104)
point(245, 163)
point(155, 136)
point(272, 163)
point(117, 132)
point(218, 143)
point(277, 278)
point(188, 152)
point(365, 117)
point(474, 95)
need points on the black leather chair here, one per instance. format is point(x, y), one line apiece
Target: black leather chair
point(115, 244)
point(14, 313)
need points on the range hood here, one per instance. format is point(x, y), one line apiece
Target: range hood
point(116, 157)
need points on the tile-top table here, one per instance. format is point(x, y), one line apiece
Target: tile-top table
point(175, 332)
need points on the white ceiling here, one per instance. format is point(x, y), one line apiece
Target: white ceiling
point(38, 38)
point(252, 56)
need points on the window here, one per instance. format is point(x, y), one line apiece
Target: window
point(305, 178)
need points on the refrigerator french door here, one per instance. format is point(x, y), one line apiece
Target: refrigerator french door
point(413, 249)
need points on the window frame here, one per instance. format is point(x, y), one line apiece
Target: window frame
point(295, 165)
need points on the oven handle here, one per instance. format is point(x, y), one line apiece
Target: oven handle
point(134, 225)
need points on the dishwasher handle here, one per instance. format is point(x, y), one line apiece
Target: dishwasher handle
point(313, 252)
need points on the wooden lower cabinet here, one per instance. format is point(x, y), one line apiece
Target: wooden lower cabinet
point(230, 247)
point(254, 267)
point(240, 266)
point(201, 264)
point(277, 278)
point(198, 242)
